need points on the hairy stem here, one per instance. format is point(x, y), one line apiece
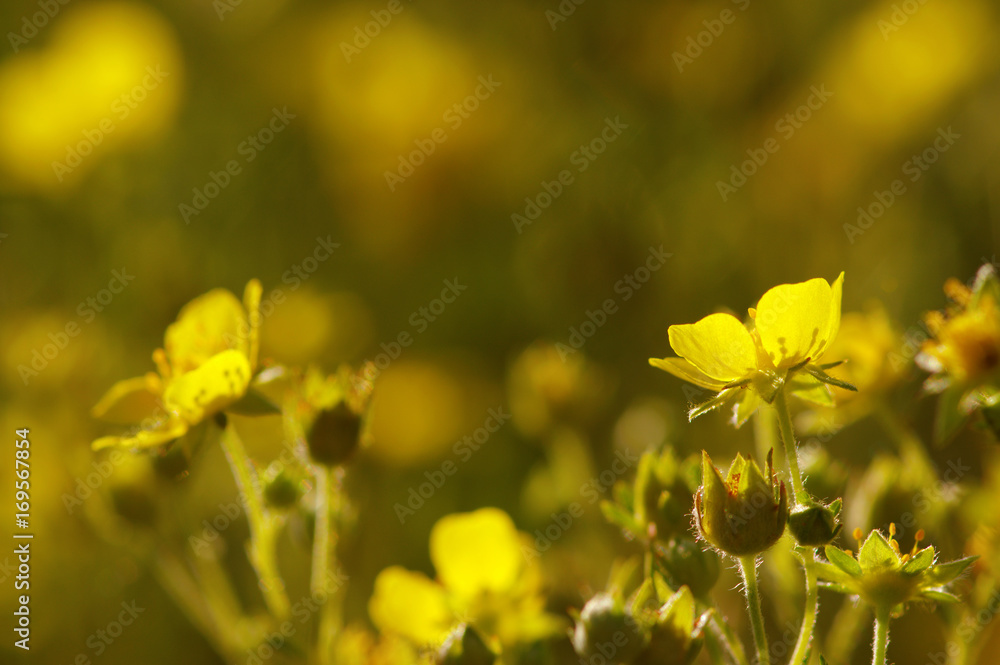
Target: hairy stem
point(801, 651)
point(881, 635)
point(324, 552)
point(263, 527)
point(791, 452)
point(748, 567)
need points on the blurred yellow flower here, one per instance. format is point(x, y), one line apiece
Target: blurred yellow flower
point(483, 578)
point(110, 75)
point(208, 359)
point(964, 355)
point(793, 324)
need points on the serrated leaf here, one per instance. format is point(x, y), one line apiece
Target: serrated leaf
point(921, 561)
point(877, 554)
point(253, 404)
point(843, 561)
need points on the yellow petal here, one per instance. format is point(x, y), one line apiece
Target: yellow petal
point(409, 604)
point(719, 346)
point(144, 438)
point(219, 382)
point(130, 401)
point(207, 325)
point(476, 552)
point(682, 369)
point(797, 321)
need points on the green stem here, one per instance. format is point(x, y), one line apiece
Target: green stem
point(324, 548)
point(881, 635)
point(748, 567)
point(263, 527)
point(791, 452)
point(808, 561)
point(801, 652)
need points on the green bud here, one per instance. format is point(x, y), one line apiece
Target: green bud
point(282, 489)
point(675, 637)
point(662, 497)
point(690, 565)
point(464, 646)
point(605, 629)
point(744, 514)
point(335, 435)
point(815, 524)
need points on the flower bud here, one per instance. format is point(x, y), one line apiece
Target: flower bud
point(815, 524)
point(690, 565)
point(335, 435)
point(662, 497)
point(675, 638)
point(744, 514)
point(464, 646)
point(284, 487)
point(605, 629)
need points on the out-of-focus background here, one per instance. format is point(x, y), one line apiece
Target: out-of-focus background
point(529, 160)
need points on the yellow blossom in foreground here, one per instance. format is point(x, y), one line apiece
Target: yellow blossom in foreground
point(792, 327)
point(483, 580)
point(208, 359)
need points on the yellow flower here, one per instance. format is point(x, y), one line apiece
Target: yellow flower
point(792, 326)
point(964, 355)
point(883, 577)
point(483, 579)
point(208, 359)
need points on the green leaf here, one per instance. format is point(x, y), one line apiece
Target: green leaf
point(843, 561)
point(920, 562)
point(714, 403)
point(619, 517)
point(950, 417)
point(947, 572)
point(940, 596)
point(253, 404)
point(817, 373)
point(877, 554)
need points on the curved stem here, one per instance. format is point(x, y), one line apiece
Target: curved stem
point(881, 635)
point(791, 452)
point(263, 527)
point(801, 652)
point(748, 567)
